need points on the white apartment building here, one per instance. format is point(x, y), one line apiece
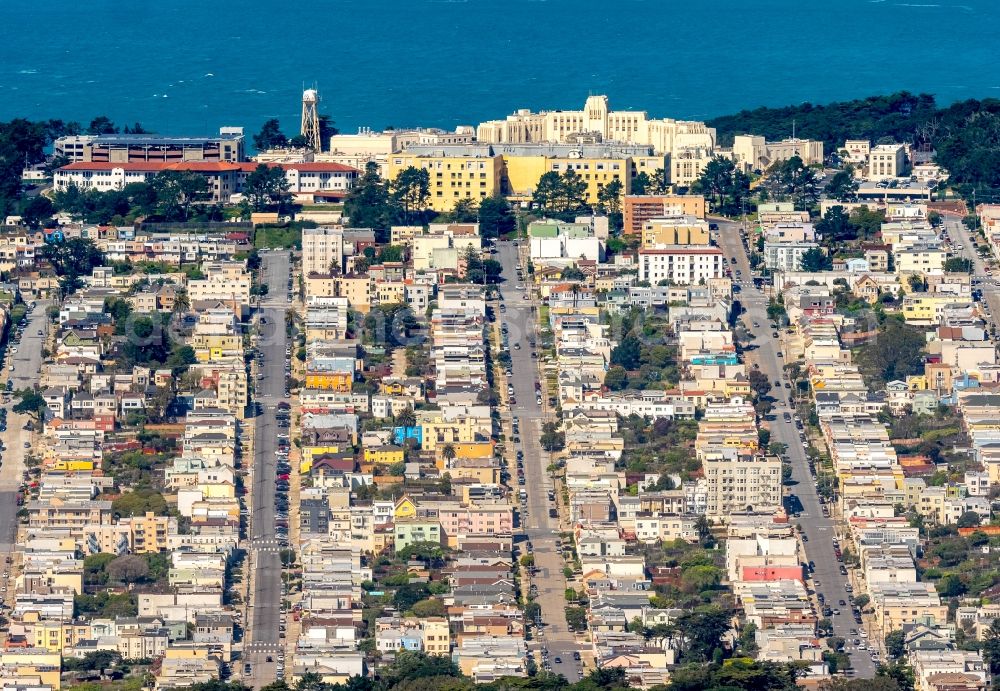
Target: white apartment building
point(321, 249)
point(737, 484)
point(887, 161)
point(785, 255)
point(680, 265)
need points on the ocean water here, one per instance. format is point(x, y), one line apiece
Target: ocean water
point(190, 66)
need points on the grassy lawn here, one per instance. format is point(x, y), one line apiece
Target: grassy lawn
point(287, 237)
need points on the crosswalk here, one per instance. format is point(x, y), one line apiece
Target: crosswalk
point(262, 647)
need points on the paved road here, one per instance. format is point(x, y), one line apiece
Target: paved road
point(820, 529)
point(960, 235)
point(264, 640)
point(27, 362)
point(541, 530)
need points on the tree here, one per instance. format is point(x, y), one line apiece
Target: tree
point(180, 359)
point(658, 183)
point(37, 210)
point(958, 265)
point(448, 452)
point(934, 218)
point(609, 197)
point(463, 211)
point(894, 644)
point(703, 629)
point(641, 184)
point(759, 383)
point(128, 568)
point(842, 186)
point(896, 353)
point(431, 607)
point(792, 179)
point(698, 578)
point(406, 418)
point(898, 672)
point(616, 378)
point(836, 226)
point(102, 125)
point(552, 439)
point(72, 259)
point(270, 136)
point(30, 403)
point(411, 189)
point(547, 192)
point(867, 221)
point(176, 191)
point(495, 217)
point(991, 647)
point(705, 537)
point(265, 186)
point(627, 353)
point(815, 260)
point(367, 205)
point(326, 130)
point(917, 283)
point(969, 519)
point(716, 178)
point(139, 502)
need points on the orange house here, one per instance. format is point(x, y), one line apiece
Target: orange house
point(329, 381)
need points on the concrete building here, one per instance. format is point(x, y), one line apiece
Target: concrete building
point(681, 265)
point(754, 152)
point(456, 172)
point(637, 209)
point(674, 230)
point(137, 148)
point(739, 483)
point(596, 122)
point(887, 161)
point(322, 248)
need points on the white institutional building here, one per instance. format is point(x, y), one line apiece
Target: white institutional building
point(597, 123)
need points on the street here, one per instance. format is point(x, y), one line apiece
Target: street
point(542, 531)
point(27, 362)
point(819, 529)
point(261, 652)
point(962, 236)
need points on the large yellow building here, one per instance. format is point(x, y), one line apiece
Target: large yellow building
point(523, 173)
point(475, 174)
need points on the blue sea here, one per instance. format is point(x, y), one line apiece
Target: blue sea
point(190, 66)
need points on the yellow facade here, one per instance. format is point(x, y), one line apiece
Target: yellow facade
point(453, 177)
point(72, 464)
point(472, 449)
point(927, 308)
point(487, 475)
point(329, 381)
point(357, 290)
point(41, 663)
point(436, 636)
point(390, 292)
point(405, 508)
point(384, 455)
point(55, 635)
point(523, 173)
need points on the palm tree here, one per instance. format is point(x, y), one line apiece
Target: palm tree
point(448, 452)
point(406, 418)
point(181, 301)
